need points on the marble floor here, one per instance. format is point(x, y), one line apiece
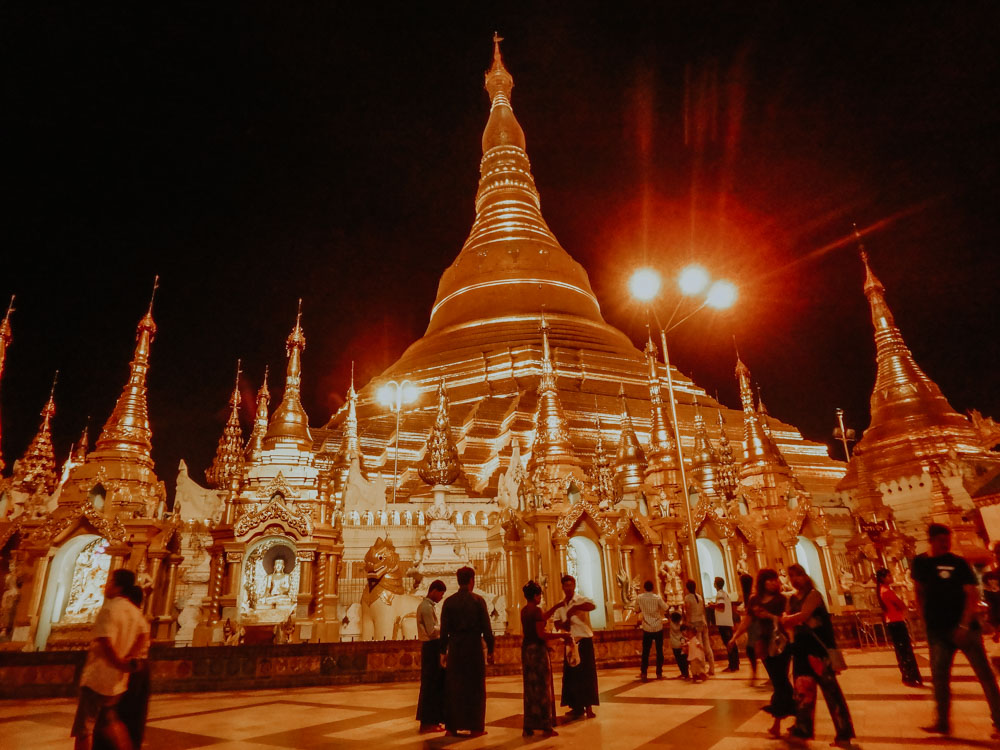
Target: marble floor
point(722, 713)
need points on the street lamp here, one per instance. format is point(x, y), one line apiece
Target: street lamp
point(692, 281)
point(394, 396)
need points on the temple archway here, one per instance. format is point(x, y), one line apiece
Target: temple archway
point(74, 591)
point(584, 563)
point(808, 556)
point(711, 563)
point(270, 582)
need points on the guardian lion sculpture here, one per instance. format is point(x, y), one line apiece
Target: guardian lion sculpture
point(386, 612)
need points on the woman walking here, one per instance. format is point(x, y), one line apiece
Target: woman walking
point(746, 586)
point(539, 697)
point(766, 635)
point(894, 612)
point(813, 650)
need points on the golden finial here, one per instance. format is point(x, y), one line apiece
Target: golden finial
point(350, 442)
point(229, 461)
point(79, 452)
point(630, 460)
point(289, 423)
point(255, 445)
point(37, 468)
point(440, 464)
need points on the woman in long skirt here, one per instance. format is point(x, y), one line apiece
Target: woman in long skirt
point(812, 665)
point(894, 611)
point(539, 696)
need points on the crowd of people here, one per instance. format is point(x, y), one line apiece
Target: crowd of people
point(789, 631)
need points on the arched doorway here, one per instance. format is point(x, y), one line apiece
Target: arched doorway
point(74, 591)
point(711, 563)
point(270, 585)
point(808, 557)
point(584, 563)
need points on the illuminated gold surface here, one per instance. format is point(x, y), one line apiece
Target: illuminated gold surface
point(440, 464)
point(289, 423)
point(255, 445)
point(6, 336)
point(228, 461)
point(630, 459)
point(350, 443)
point(37, 468)
point(704, 460)
point(662, 450)
point(762, 455)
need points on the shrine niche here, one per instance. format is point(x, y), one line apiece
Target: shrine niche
point(270, 586)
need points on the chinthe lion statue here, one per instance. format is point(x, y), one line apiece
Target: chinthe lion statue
point(386, 612)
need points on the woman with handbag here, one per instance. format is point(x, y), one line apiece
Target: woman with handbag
point(763, 626)
point(894, 612)
point(536, 670)
point(815, 661)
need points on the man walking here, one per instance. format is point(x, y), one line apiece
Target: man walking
point(694, 611)
point(579, 688)
point(651, 608)
point(724, 622)
point(120, 631)
point(948, 597)
point(465, 624)
point(430, 703)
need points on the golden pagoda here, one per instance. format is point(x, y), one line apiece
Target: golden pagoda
point(36, 470)
point(630, 459)
point(289, 423)
point(228, 461)
point(440, 464)
point(255, 445)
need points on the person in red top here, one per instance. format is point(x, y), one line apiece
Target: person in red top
point(894, 612)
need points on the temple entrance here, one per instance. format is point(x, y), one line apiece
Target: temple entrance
point(584, 564)
point(270, 586)
point(74, 591)
point(808, 557)
point(712, 565)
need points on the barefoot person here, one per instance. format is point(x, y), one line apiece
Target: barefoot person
point(694, 615)
point(120, 633)
point(465, 625)
point(651, 608)
point(536, 670)
point(579, 688)
point(894, 612)
point(946, 590)
point(430, 703)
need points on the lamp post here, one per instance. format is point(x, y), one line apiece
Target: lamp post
point(394, 396)
point(693, 280)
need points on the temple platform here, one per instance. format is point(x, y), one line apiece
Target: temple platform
point(722, 714)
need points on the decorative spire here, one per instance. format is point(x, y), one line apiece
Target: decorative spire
point(729, 473)
point(289, 422)
point(229, 460)
point(440, 464)
point(705, 464)
point(37, 468)
point(630, 461)
point(127, 432)
point(255, 446)
point(761, 453)
point(662, 452)
point(350, 443)
point(602, 473)
point(763, 414)
point(907, 406)
point(511, 263)
point(552, 449)
point(5, 338)
point(79, 453)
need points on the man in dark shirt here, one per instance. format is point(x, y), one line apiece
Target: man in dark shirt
point(946, 590)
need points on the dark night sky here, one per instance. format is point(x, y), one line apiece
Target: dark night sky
point(254, 155)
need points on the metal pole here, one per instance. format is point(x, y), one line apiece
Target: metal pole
point(695, 566)
point(843, 434)
point(395, 461)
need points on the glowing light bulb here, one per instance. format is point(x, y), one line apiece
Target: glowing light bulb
point(410, 392)
point(693, 280)
point(721, 294)
point(386, 394)
point(644, 284)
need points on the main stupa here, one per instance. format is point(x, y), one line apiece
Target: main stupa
point(484, 341)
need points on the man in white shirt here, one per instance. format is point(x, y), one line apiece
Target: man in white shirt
point(120, 634)
point(724, 622)
point(651, 608)
point(694, 610)
point(430, 703)
point(579, 688)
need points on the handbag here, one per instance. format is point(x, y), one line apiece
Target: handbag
point(834, 657)
point(778, 642)
point(573, 653)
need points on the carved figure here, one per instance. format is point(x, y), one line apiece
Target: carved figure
point(279, 583)
point(8, 602)
point(670, 574)
point(386, 612)
point(284, 631)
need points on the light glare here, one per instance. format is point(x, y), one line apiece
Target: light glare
point(385, 394)
point(721, 294)
point(693, 280)
point(410, 392)
point(644, 284)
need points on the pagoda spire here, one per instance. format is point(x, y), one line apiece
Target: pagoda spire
point(705, 464)
point(729, 473)
point(350, 443)
point(630, 460)
point(289, 422)
point(228, 461)
point(5, 338)
point(662, 452)
point(79, 453)
point(762, 413)
point(602, 473)
point(255, 445)
point(440, 464)
point(761, 453)
point(552, 448)
point(37, 468)
point(904, 400)
point(511, 262)
point(127, 433)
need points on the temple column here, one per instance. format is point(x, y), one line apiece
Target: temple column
point(154, 575)
point(727, 559)
point(827, 572)
point(38, 588)
point(320, 591)
point(655, 553)
point(305, 594)
point(215, 588)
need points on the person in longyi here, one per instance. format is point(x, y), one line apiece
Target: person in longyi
point(465, 625)
point(579, 688)
point(430, 703)
point(536, 670)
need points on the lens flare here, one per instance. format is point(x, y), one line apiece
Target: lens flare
point(721, 294)
point(410, 392)
point(644, 284)
point(386, 394)
point(693, 280)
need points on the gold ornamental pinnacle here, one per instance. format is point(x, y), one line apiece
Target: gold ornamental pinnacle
point(440, 465)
